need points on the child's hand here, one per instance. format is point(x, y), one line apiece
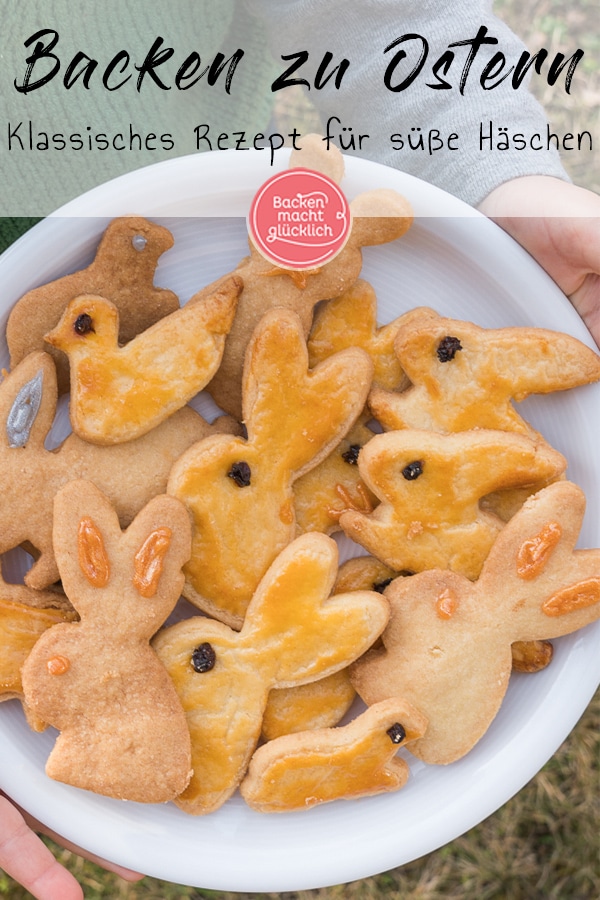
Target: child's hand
point(559, 224)
point(26, 858)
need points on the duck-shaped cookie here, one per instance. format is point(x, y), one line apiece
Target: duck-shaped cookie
point(119, 393)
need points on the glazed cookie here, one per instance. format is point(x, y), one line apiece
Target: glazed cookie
point(294, 632)
point(122, 271)
point(119, 393)
point(130, 474)
point(447, 648)
point(239, 491)
point(122, 729)
point(430, 485)
point(25, 614)
point(300, 771)
point(334, 485)
point(463, 376)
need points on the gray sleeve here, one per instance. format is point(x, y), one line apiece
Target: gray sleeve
point(360, 31)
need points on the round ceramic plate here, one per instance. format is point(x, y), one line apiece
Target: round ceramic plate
point(461, 265)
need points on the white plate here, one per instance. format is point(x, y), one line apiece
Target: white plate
point(462, 265)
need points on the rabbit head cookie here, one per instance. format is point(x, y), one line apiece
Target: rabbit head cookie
point(464, 376)
point(122, 729)
point(239, 491)
point(447, 648)
point(430, 486)
point(122, 270)
point(294, 632)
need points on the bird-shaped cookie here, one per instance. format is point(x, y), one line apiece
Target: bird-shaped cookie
point(430, 485)
point(121, 392)
point(464, 376)
point(298, 771)
point(122, 270)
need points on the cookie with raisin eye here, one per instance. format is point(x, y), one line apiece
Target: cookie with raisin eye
point(430, 485)
point(463, 376)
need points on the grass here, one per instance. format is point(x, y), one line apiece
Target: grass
point(543, 844)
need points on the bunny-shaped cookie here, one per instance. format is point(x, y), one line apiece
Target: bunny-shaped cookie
point(447, 648)
point(123, 731)
point(430, 485)
point(239, 491)
point(122, 271)
point(30, 475)
point(464, 376)
point(378, 216)
point(294, 633)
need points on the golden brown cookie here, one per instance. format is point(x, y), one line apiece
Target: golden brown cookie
point(378, 216)
point(463, 376)
point(299, 771)
point(430, 484)
point(119, 393)
point(294, 633)
point(239, 491)
point(122, 271)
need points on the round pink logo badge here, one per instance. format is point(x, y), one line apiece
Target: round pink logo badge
point(299, 219)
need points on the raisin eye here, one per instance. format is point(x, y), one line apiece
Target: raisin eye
point(240, 473)
point(380, 586)
point(447, 348)
point(83, 324)
point(204, 658)
point(351, 454)
point(396, 733)
point(413, 470)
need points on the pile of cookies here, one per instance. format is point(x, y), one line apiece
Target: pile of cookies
point(404, 437)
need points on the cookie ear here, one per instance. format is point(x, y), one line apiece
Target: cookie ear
point(549, 588)
point(378, 217)
point(297, 414)
point(316, 634)
point(28, 397)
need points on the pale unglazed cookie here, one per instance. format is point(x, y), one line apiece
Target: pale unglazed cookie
point(366, 573)
point(378, 217)
point(294, 632)
point(430, 485)
point(447, 648)
point(31, 475)
point(123, 731)
point(123, 271)
point(119, 393)
point(303, 770)
point(239, 491)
